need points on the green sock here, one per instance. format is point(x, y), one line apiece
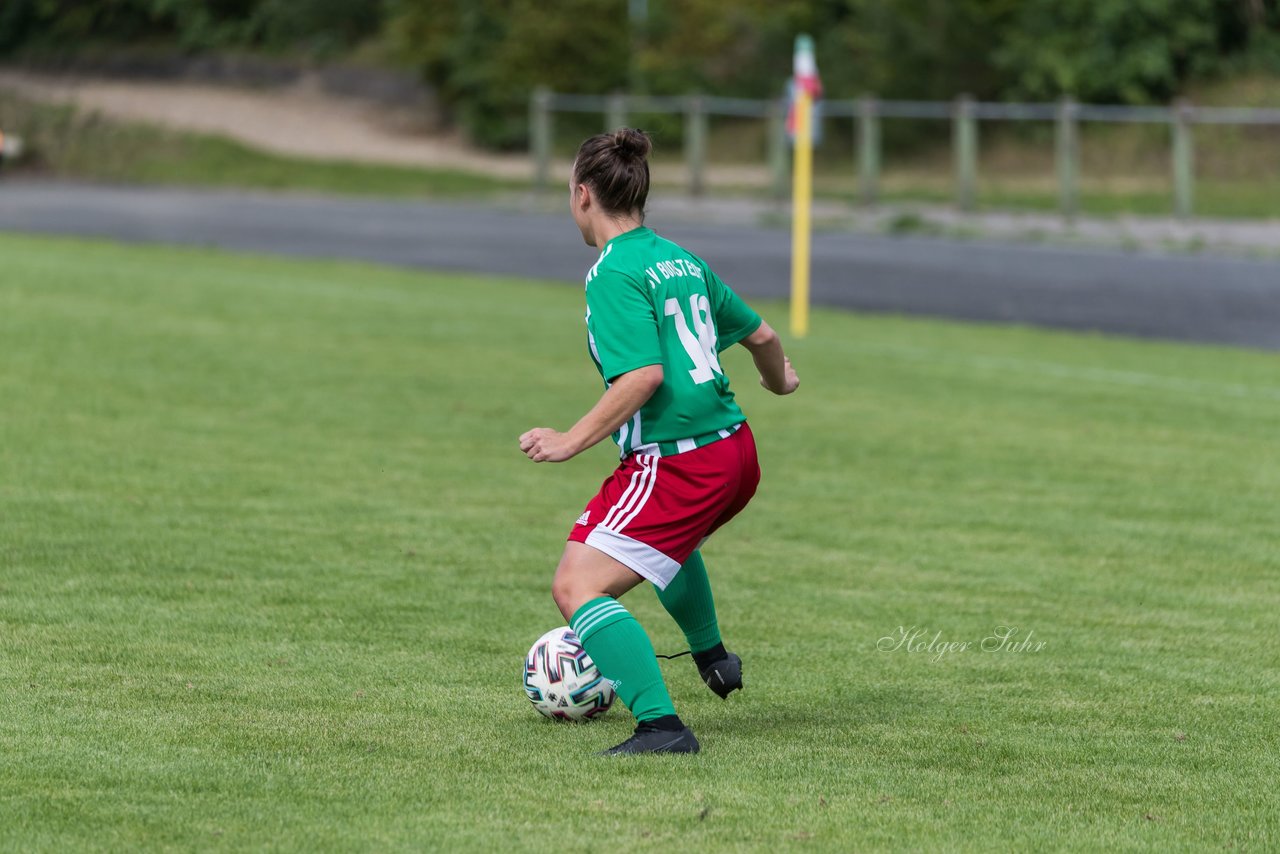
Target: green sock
point(621, 650)
point(688, 600)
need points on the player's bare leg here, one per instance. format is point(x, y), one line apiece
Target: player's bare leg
point(586, 573)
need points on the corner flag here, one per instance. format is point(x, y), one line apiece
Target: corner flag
point(804, 78)
point(806, 86)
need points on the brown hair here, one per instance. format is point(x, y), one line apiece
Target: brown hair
point(615, 165)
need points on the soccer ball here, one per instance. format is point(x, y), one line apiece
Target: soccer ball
point(561, 679)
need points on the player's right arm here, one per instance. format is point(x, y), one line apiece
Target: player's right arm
point(776, 373)
point(622, 400)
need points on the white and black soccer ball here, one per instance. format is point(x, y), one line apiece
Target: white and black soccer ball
point(561, 679)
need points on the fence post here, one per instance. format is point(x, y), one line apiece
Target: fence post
point(1183, 159)
point(540, 136)
point(868, 113)
point(965, 143)
point(615, 111)
point(1067, 154)
point(777, 147)
point(695, 142)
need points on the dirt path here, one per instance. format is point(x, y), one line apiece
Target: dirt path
point(302, 121)
point(298, 121)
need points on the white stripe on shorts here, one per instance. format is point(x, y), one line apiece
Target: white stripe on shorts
point(636, 506)
point(637, 478)
point(637, 490)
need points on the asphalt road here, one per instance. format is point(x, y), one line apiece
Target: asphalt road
point(1186, 297)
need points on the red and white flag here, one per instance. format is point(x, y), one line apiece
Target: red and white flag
point(804, 77)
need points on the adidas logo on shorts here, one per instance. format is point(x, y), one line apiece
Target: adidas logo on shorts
point(582, 520)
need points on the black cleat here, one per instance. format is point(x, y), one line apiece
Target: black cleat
point(649, 739)
point(723, 676)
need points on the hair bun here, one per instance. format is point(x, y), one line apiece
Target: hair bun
point(615, 165)
point(632, 142)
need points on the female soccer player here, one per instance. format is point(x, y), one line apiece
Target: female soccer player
point(657, 319)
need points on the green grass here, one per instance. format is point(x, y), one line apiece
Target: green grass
point(69, 144)
point(271, 559)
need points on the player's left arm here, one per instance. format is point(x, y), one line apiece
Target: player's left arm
point(620, 402)
point(738, 323)
point(735, 319)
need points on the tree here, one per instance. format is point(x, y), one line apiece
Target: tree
point(485, 56)
point(1130, 51)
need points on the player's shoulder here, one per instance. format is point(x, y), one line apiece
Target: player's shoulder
point(619, 262)
point(665, 249)
point(671, 260)
point(603, 267)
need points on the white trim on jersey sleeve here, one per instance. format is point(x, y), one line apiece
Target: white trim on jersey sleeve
point(595, 268)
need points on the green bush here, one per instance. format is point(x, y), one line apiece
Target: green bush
point(1127, 51)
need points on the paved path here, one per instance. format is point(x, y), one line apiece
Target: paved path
point(1188, 297)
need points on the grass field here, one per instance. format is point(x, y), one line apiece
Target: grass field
point(271, 559)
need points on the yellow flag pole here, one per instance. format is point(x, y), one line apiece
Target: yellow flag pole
point(801, 201)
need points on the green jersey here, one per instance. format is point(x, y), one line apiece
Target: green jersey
point(649, 302)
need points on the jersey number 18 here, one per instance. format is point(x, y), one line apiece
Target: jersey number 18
point(702, 347)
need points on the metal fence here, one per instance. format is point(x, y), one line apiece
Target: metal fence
point(963, 113)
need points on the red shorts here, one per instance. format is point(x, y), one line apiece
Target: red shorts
point(654, 511)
